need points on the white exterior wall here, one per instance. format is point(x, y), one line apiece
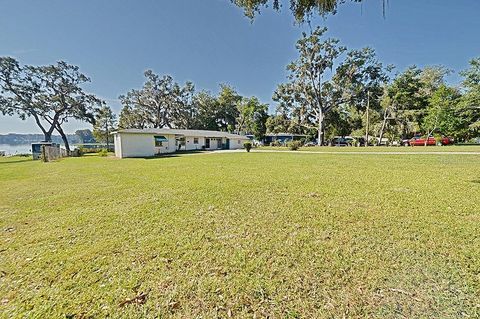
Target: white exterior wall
point(137, 145)
point(236, 143)
point(214, 143)
point(118, 145)
point(141, 145)
point(167, 147)
point(191, 146)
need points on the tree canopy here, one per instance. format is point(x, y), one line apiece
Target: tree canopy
point(318, 92)
point(51, 95)
point(329, 91)
point(301, 9)
point(161, 102)
point(105, 124)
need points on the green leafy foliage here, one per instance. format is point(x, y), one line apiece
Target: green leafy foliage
point(161, 102)
point(252, 117)
point(103, 152)
point(308, 97)
point(294, 145)
point(301, 9)
point(441, 112)
point(51, 94)
point(105, 124)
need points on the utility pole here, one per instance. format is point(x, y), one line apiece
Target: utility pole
point(106, 130)
point(368, 118)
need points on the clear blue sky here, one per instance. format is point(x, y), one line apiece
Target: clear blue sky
point(210, 41)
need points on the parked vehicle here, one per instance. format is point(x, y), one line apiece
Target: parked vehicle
point(309, 144)
point(431, 141)
point(347, 141)
point(339, 141)
point(384, 142)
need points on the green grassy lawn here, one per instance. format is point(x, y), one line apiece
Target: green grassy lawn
point(283, 235)
point(376, 149)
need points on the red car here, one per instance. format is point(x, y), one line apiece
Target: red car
point(420, 141)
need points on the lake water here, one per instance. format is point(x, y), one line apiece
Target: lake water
point(16, 149)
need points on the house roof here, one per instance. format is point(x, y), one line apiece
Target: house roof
point(284, 134)
point(179, 132)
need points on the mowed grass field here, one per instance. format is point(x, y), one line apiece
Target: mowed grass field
point(242, 235)
point(382, 149)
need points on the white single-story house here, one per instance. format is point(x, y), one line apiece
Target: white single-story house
point(152, 142)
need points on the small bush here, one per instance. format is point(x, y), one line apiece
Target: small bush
point(103, 152)
point(248, 146)
point(77, 152)
point(294, 145)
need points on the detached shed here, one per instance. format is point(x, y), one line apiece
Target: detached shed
point(152, 142)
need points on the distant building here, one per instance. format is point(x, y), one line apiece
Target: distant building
point(151, 142)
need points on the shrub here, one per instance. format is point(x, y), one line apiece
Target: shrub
point(89, 150)
point(248, 146)
point(294, 145)
point(353, 142)
point(103, 152)
point(78, 152)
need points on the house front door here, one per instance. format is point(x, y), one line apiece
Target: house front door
point(207, 143)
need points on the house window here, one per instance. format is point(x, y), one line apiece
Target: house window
point(159, 140)
point(195, 140)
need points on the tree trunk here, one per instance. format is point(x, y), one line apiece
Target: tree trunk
point(431, 132)
point(368, 119)
point(65, 141)
point(320, 129)
point(64, 138)
point(47, 136)
point(108, 136)
point(383, 127)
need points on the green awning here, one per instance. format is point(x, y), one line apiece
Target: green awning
point(160, 138)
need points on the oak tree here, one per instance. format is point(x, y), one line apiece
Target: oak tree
point(52, 95)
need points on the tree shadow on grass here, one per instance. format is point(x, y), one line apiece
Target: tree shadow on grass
point(475, 181)
point(160, 156)
point(176, 154)
point(16, 161)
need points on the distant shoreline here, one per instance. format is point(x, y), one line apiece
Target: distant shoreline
point(22, 139)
